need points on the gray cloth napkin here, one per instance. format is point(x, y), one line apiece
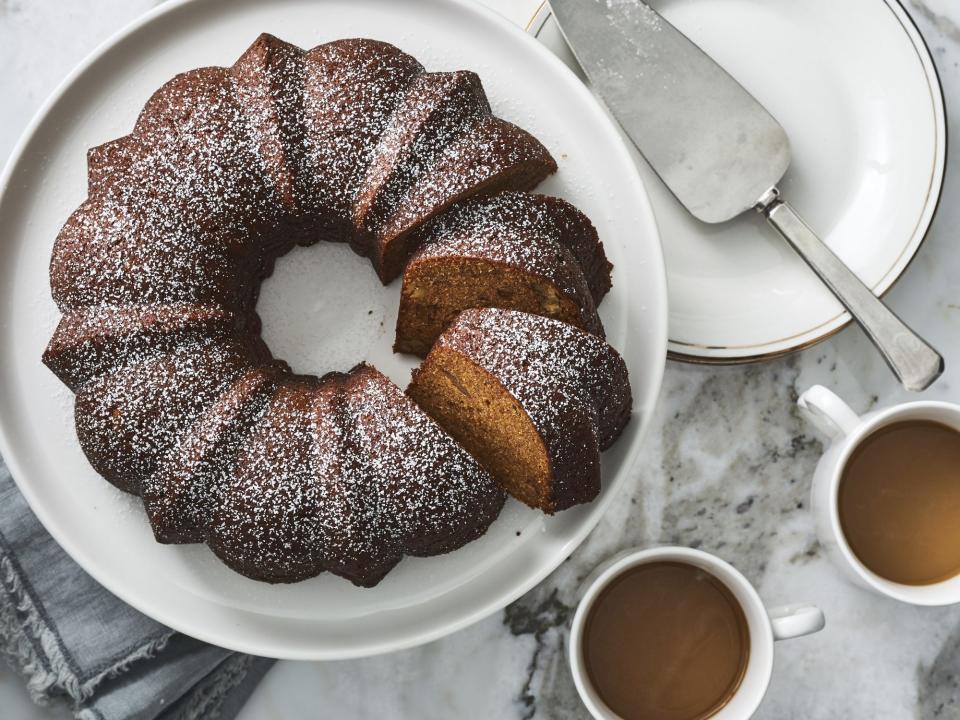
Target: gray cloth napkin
point(74, 640)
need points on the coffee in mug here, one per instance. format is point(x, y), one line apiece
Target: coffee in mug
point(886, 495)
point(676, 634)
point(899, 502)
point(666, 641)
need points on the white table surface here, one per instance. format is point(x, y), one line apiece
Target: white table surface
point(726, 468)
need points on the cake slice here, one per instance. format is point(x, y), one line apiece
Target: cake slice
point(558, 219)
point(493, 155)
point(534, 399)
point(435, 108)
point(512, 250)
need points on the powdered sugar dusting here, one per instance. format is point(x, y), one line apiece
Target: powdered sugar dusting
point(478, 230)
point(128, 420)
point(492, 151)
point(362, 477)
point(351, 89)
point(436, 108)
point(90, 341)
point(521, 229)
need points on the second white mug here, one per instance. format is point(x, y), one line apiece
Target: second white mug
point(765, 626)
point(846, 431)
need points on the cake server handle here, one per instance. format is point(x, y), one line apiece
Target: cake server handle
point(915, 363)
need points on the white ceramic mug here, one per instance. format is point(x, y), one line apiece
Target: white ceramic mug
point(846, 429)
point(765, 626)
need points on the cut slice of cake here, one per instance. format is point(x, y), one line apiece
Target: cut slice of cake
point(560, 220)
point(491, 156)
point(534, 399)
point(513, 251)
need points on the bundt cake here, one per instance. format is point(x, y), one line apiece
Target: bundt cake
point(534, 399)
point(179, 400)
point(157, 273)
point(512, 250)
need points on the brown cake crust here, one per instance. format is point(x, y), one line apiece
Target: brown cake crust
point(90, 341)
point(268, 81)
point(351, 88)
point(541, 399)
point(180, 498)
point(129, 419)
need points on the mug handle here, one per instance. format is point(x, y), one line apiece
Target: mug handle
point(790, 621)
point(831, 415)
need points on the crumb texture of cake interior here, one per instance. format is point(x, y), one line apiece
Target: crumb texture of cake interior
point(534, 399)
point(157, 275)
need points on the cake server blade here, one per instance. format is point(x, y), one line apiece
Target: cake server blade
point(717, 149)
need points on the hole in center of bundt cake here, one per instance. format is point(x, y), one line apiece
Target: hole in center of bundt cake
point(322, 309)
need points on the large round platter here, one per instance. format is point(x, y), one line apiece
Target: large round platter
point(322, 310)
point(855, 88)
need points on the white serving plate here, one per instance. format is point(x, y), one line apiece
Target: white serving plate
point(324, 309)
point(855, 88)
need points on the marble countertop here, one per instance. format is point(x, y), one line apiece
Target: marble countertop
point(726, 468)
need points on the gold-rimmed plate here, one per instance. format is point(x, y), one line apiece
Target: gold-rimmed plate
point(856, 89)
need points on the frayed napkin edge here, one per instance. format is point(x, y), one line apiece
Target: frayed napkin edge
point(34, 649)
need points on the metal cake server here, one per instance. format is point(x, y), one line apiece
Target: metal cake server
point(717, 149)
